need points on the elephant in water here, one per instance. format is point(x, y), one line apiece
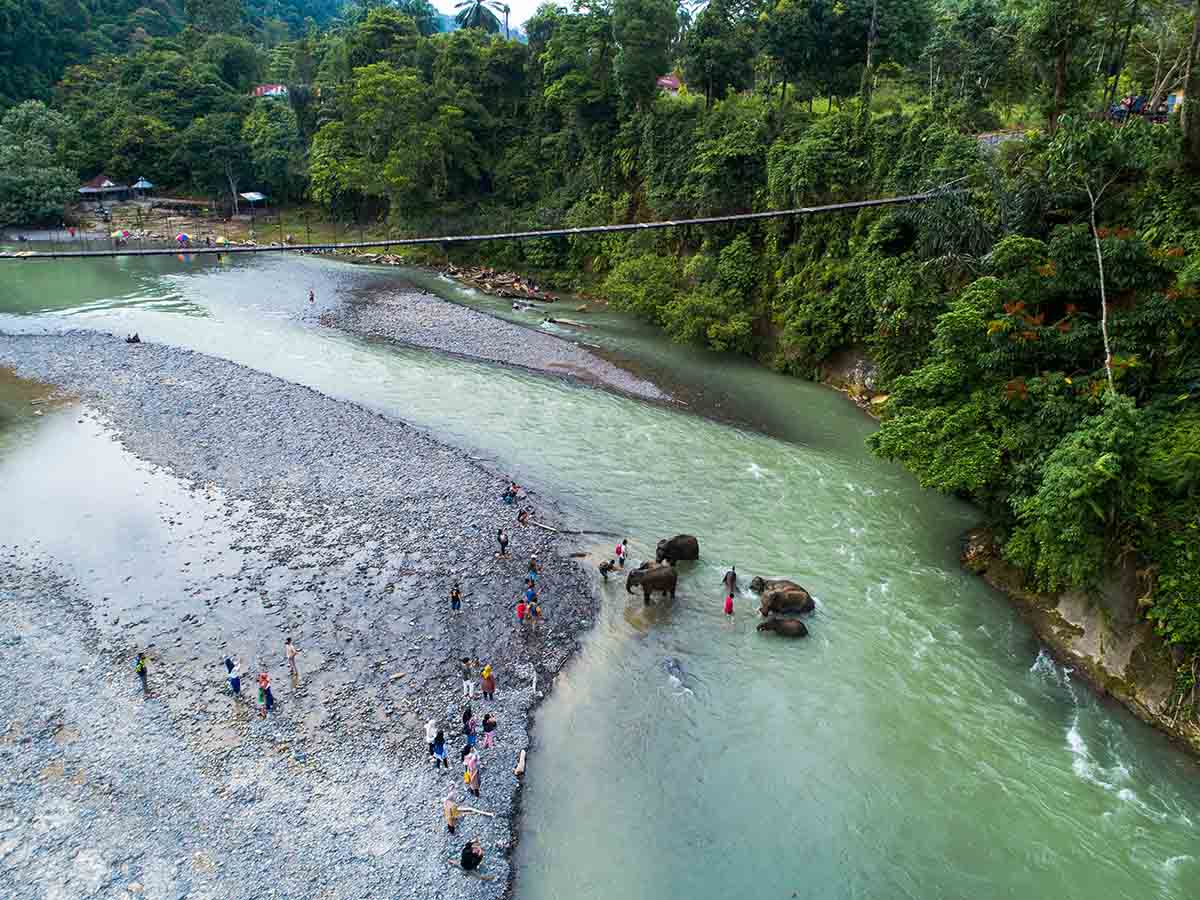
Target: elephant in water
point(786, 627)
point(682, 546)
point(652, 577)
point(779, 596)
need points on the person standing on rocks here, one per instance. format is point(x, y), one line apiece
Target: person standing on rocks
point(487, 682)
point(235, 676)
point(534, 569)
point(451, 811)
point(471, 776)
point(469, 726)
point(621, 550)
point(265, 697)
point(502, 540)
point(521, 610)
point(439, 750)
point(290, 650)
point(455, 598)
point(311, 296)
point(143, 674)
point(489, 731)
point(430, 734)
point(468, 677)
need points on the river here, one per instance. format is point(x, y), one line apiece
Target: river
point(918, 744)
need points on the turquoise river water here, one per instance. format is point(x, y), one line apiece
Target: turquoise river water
point(918, 744)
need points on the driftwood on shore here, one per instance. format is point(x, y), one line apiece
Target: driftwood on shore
point(507, 285)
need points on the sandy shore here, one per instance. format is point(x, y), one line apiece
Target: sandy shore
point(423, 320)
point(308, 517)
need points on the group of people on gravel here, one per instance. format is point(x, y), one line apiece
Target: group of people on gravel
point(233, 675)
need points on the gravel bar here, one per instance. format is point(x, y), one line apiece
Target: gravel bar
point(345, 529)
point(424, 320)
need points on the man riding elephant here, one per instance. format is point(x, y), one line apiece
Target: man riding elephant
point(652, 577)
point(682, 546)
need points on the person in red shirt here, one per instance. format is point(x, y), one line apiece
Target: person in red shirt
point(729, 604)
point(521, 611)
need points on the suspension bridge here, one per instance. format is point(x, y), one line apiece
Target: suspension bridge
point(385, 243)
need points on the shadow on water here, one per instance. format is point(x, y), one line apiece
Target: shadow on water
point(915, 745)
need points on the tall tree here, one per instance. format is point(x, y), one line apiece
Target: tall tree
point(476, 14)
point(718, 51)
point(643, 31)
point(1191, 113)
point(1053, 33)
point(1089, 156)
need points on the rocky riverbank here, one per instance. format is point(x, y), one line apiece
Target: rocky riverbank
point(1102, 635)
point(305, 517)
point(423, 320)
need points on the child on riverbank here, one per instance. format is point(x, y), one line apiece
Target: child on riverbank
point(489, 731)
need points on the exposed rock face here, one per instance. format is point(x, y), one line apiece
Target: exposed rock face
point(1103, 635)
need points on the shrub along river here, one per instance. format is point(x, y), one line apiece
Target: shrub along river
point(918, 744)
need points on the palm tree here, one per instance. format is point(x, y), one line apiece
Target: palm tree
point(476, 14)
point(506, 9)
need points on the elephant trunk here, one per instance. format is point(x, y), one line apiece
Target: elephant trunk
point(629, 584)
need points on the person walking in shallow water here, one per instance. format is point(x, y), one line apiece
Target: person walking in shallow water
point(143, 674)
point(621, 550)
point(730, 580)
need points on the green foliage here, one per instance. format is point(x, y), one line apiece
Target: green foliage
point(1088, 493)
point(272, 134)
point(642, 30)
point(645, 285)
point(34, 184)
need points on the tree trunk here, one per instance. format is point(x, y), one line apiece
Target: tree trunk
point(1191, 95)
point(869, 69)
point(1060, 86)
point(1103, 294)
point(1161, 88)
point(1110, 91)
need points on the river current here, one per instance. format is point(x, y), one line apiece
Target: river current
point(918, 744)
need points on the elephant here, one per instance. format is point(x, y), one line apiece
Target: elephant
point(682, 546)
point(780, 596)
point(652, 577)
point(786, 627)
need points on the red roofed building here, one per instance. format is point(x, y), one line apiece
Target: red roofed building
point(270, 90)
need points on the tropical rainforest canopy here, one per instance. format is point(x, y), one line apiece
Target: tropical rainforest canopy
point(1035, 331)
